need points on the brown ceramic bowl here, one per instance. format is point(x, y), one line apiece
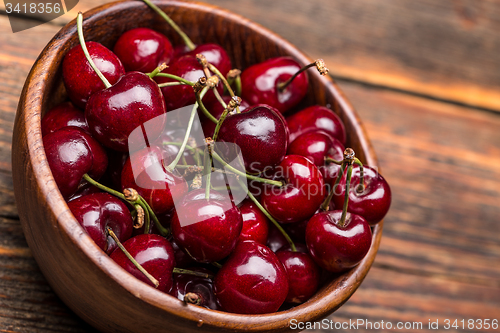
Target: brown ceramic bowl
point(83, 276)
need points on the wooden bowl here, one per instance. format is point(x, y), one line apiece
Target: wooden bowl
point(83, 276)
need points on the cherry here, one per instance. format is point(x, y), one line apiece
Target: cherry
point(255, 223)
point(316, 146)
point(316, 118)
point(113, 175)
point(72, 153)
point(145, 171)
point(251, 281)
point(337, 246)
point(80, 79)
point(208, 230)
point(195, 289)
point(154, 253)
point(215, 55)
point(98, 211)
point(133, 103)
point(275, 239)
point(303, 273)
point(182, 259)
point(260, 83)
point(143, 49)
point(302, 193)
point(371, 200)
point(216, 109)
point(63, 115)
point(260, 135)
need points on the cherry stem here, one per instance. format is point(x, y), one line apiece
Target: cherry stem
point(79, 23)
point(193, 298)
point(233, 76)
point(204, 109)
point(319, 64)
point(346, 196)
point(171, 22)
point(241, 173)
point(190, 272)
point(263, 210)
point(234, 103)
point(132, 259)
point(172, 165)
point(331, 160)
point(207, 163)
point(361, 185)
point(157, 70)
point(170, 84)
point(225, 82)
point(192, 150)
point(216, 264)
point(325, 205)
point(174, 77)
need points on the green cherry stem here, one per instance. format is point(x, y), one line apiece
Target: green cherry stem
point(226, 84)
point(190, 272)
point(346, 197)
point(179, 79)
point(204, 109)
point(331, 160)
point(361, 185)
point(207, 163)
point(79, 23)
point(131, 258)
point(171, 22)
point(157, 70)
point(234, 76)
point(234, 103)
point(326, 203)
point(263, 210)
point(320, 66)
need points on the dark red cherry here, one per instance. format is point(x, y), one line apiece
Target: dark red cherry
point(316, 118)
point(336, 247)
point(208, 230)
point(297, 230)
point(303, 273)
point(215, 55)
point(145, 171)
point(80, 79)
point(154, 253)
point(113, 176)
point(255, 223)
point(202, 287)
point(63, 115)
point(133, 103)
point(260, 83)
point(98, 211)
point(302, 193)
point(216, 109)
point(182, 259)
point(371, 201)
point(251, 281)
point(275, 239)
point(316, 146)
point(260, 135)
point(143, 49)
point(71, 153)
point(178, 96)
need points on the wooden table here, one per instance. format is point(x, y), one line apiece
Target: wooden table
point(425, 78)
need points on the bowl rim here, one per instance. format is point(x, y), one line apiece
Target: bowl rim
point(312, 310)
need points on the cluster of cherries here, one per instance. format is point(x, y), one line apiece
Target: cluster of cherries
point(164, 207)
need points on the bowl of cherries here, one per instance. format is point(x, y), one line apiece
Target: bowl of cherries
point(178, 168)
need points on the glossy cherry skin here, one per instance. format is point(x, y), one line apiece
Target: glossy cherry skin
point(216, 109)
point(201, 286)
point(145, 171)
point(207, 230)
point(98, 211)
point(215, 55)
point(71, 153)
point(372, 202)
point(303, 273)
point(316, 146)
point(63, 115)
point(260, 82)
point(154, 253)
point(255, 223)
point(334, 247)
point(178, 96)
point(260, 135)
point(143, 49)
point(302, 193)
point(251, 281)
point(135, 101)
point(316, 118)
point(80, 79)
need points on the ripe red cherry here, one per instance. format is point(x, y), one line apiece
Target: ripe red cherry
point(303, 273)
point(260, 134)
point(63, 115)
point(216, 109)
point(336, 247)
point(143, 49)
point(260, 83)
point(201, 287)
point(255, 223)
point(154, 253)
point(371, 201)
point(98, 211)
point(208, 230)
point(215, 55)
point(251, 281)
point(134, 102)
point(316, 145)
point(145, 171)
point(302, 193)
point(80, 79)
point(71, 153)
point(316, 118)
